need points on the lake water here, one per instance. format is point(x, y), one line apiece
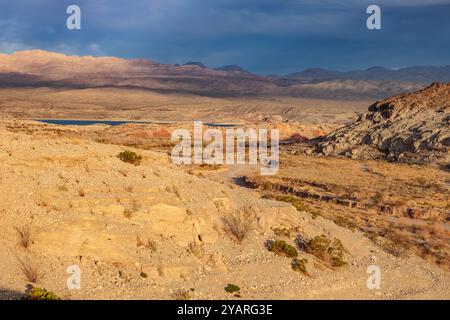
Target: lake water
point(221, 125)
point(74, 122)
point(67, 122)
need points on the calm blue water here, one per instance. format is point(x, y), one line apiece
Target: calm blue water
point(73, 122)
point(221, 125)
point(86, 122)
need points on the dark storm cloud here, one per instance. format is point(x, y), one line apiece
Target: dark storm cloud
point(265, 36)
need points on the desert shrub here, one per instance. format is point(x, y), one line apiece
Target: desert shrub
point(143, 275)
point(181, 294)
point(378, 198)
point(238, 226)
point(29, 270)
point(23, 236)
point(296, 202)
point(41, 294)
point(282, 231)
point(130, 157)
point(394, 248)
point(281, 248)
point(232, 288)
point(195, 249)
point(345, 223)
point(300, 265)
point(150, 244)
point(329, 251)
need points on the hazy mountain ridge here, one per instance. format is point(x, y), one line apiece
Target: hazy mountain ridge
point(41, 68)
point(415, 74)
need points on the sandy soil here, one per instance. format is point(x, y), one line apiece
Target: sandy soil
point(154, 231)
point(128, 104)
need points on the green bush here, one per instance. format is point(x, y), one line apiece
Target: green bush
point(300, 265)
point(231, 288)
point(296, 202)
point(329, 251)
point(345, 223)
point(281, 248)
point(41, 294)
point(130, 157)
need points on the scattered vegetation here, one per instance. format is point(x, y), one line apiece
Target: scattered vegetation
point(41, 294)
point(296, 202)
point(23, 236)
point(331, 252)
point(395, 248)
point(345, 223)
point(300, 265)
point(281, 248)
point(130, 157)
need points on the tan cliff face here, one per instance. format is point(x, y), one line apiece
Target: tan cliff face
point(410, 128)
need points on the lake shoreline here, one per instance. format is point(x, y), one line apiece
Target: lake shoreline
point(110, 122)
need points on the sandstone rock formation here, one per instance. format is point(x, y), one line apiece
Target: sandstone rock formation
point(410, 128)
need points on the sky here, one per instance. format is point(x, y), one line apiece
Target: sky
point(262, 36)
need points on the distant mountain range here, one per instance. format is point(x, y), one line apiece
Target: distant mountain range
point(409, 74)
point(42, 68)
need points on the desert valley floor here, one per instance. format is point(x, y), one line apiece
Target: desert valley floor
point(161, 231)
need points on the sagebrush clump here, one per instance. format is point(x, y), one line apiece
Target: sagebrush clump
point(29, 269)
point(296, 202)
point(232, 288)
point(23, 236)
point(239, 225)
point(332, 252)
point(130, 157)
point(281, 248)
point(300, 265)
point(41, 294)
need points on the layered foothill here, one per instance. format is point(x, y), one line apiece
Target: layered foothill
point(413, 128)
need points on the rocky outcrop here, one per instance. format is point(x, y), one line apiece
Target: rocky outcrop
point(410, 128)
